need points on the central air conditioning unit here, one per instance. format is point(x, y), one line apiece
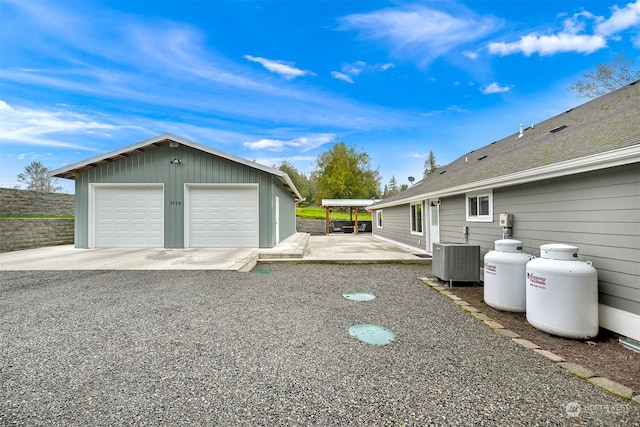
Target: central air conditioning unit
point(456, 262)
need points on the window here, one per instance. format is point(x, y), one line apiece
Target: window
point(416, 218)
point(480, 207)
point(379, 218)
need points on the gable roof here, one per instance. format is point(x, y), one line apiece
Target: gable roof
point(70, 171)
point(601, 133)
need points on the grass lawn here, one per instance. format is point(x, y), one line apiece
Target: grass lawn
point(320, 213)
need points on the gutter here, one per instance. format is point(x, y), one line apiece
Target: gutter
point(613, 158)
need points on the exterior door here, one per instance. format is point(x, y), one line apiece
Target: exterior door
point(434, 224)
point(277, 220)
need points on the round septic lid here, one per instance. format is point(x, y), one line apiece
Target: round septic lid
point(358, 296)
point(372, 334)
point(559, 251)
point(508, 245)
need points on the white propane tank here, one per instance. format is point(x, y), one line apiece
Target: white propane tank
point(505, 276)
point(562, 293)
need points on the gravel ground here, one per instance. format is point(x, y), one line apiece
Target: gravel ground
point(227, 348)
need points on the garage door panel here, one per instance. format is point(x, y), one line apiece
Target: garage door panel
point(223, 217)
point(129, 217)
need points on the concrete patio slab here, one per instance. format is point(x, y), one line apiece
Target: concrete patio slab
point(344, 248)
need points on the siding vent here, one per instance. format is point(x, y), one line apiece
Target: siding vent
point(558, 129)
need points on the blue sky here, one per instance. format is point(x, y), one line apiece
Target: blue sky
point(284, 80)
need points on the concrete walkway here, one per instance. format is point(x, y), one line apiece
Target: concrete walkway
point(301, 247)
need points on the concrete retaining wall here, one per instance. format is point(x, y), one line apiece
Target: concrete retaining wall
point(311, 226)
point(24, 202)
point(317, 226)
point(27, 233)
point(17, 234)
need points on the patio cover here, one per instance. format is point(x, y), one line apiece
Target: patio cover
point(345, 203)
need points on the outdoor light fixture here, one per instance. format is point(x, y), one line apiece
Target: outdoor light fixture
point(175, 161)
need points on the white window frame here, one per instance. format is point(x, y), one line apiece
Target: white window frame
point(379, 218)
point(412, 213)
point(477, 196)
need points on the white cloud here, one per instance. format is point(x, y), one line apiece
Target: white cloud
point(582, 32)
point(302, 143)
point(341, 76)
point(419, 32)
point(494, 88)
point(549, 45)
point(285, 69)
point(471, 55)
point(620, 20)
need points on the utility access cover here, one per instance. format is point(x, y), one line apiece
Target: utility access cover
point(372, 334)
point(358, 296)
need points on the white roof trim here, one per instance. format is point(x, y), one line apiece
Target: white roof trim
point(166, 136)
point(618, 157)
point(348, 202)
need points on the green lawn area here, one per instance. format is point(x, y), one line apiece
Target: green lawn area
point(320, 213)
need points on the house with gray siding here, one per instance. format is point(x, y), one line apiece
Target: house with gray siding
point(574, 179)
point(168, 192)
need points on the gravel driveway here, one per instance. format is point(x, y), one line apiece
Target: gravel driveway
point(227, 348)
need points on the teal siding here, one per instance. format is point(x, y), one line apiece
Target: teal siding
point(154, 166)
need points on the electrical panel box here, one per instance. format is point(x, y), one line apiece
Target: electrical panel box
point(506, 220)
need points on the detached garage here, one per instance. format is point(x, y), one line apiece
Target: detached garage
point(168, 192)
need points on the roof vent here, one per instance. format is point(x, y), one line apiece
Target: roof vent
point(443, 172)
point(482, 157)
point(558, 129)
point(521, 131)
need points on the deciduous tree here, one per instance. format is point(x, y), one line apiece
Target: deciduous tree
point(36, 178)
point(300, 180)
point(606, 78)
point(342, 172)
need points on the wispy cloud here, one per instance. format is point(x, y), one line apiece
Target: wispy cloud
point(418, 32)
point(470, 54)
point(283, 68)
point(341, 76)
point(582, 32)
point(40, 127)
point(302, 143)
point(494, 88)
point(350, 71)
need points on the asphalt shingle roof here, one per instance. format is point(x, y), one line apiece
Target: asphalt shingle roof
point(603, 124)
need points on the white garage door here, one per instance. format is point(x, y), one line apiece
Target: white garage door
point(222, 217)
point(127, 216)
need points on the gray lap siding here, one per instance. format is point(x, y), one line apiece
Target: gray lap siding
point(597, 211)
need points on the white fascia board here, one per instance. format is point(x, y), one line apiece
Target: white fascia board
point(347, 202)
point(613, 158)
point(167, 136)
